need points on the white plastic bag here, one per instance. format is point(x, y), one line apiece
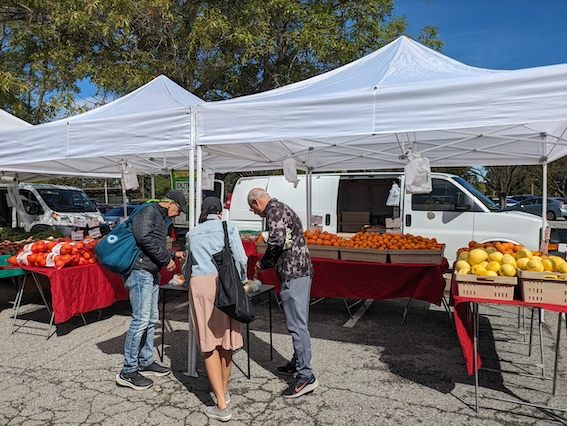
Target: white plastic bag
point(394, 196)
point(418, 175)
point(290, 172)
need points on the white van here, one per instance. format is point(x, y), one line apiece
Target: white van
point(454, 212)
point(38, 207)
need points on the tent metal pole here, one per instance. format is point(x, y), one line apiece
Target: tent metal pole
point(199, 176)
point(544, 201)
point(106, 191)
point(192, 213)
point(309, 195)
point(153, 186)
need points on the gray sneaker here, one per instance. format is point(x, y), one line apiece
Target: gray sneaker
point(226, 397)
point(217, 414)
point(133, 380)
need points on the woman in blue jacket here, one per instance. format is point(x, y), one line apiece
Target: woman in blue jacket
point(218, 334)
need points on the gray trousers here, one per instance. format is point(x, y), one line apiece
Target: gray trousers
point(295, 299)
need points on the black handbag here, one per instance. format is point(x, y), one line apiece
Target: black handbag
point(231, 297)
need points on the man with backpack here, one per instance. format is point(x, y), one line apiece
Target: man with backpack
point(150, 231)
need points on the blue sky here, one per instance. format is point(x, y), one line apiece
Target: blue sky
point(499, 34)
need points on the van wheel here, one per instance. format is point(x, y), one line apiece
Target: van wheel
point(550, 215)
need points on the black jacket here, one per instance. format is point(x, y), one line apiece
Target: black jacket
point(150, 231)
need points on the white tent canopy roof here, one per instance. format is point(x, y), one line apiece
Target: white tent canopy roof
point(9, 121)
point(148, 128)
point(371, 112)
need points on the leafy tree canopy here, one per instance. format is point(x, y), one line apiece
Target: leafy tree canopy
point(215, 49)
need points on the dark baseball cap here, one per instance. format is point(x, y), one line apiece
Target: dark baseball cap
point(179, 197)
point(212, 204)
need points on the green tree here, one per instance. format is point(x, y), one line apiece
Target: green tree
point(216, 49)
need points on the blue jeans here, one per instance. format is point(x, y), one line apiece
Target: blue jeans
point(143, 288)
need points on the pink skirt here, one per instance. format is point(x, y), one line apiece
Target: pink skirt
point(213, 327)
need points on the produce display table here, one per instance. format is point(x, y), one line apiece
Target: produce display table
point(76, 290)
point(466, 317)
point(345, 279)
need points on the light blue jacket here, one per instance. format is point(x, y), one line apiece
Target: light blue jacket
point(206, 239)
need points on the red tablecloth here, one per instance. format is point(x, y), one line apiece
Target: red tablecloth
point(249, 247)
point(368, 280)
point(463, 317)
point(77, 290)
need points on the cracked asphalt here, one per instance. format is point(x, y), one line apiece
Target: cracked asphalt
point(377, 372)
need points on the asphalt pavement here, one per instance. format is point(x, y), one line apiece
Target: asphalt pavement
point(372, 373)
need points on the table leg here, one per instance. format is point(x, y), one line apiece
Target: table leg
point(475, 353)
point(38, 285)
point(557, 339)
point(541, 342)
point(248, 347)
point(406, 309)
point(50, 325)
point(191, 346)
point(270, 311)
point(163, 296)
point(17, 303)
point(531, 332)
point(448, 310)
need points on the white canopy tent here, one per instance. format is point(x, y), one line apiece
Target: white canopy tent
point(149, 129)
point(368, 114)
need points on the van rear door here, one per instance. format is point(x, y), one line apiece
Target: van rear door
point(240, 213)
point(441, 214)
point(324, 198)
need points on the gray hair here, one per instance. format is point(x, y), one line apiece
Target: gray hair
point(256, 194)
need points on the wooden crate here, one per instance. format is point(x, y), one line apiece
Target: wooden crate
point(416, 256)
point(496, 288)
point(364, 255)
point(314, 251)
point(543, 287)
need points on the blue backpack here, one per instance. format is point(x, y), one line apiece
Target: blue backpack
point(118, 250)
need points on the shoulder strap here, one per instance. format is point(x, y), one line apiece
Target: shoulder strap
point(225, 229)
point(137, 211)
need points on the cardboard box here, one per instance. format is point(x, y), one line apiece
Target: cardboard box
point(351, 226)
point(393, 223)
point(356, 217)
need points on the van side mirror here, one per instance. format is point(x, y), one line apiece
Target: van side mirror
point(462, 202)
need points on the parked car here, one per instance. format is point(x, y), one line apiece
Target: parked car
point(116, 215)
point(510, 202)
point(102, 207)
point(555, 207)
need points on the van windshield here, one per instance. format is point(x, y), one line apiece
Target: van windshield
point(491, 205)
point(67, 200)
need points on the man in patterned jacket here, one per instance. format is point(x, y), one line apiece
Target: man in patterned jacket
point(287, 252)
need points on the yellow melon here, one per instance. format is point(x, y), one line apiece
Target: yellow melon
point(548, 265)
point(508, 259)
point(563, 268)
point(522, 263)
point(493, 266)
point(476, 269)
point(496, 256)
point(461, 265)
point(523, 253)
point(535, 265)
point(507, 270)
point(477, 256)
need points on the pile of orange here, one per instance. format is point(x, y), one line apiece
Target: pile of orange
point(319, 238)
point(392, 242)
point(372, 240)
